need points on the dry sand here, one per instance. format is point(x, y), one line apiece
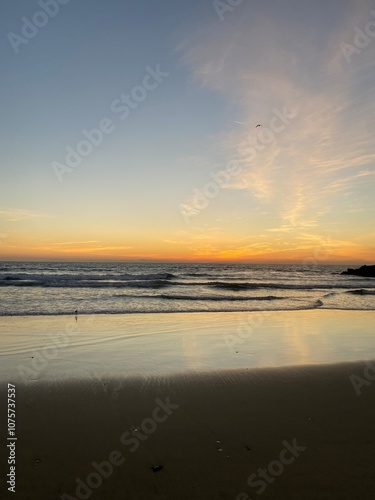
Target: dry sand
point(227, 425)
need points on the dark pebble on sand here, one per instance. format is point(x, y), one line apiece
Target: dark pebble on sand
point(157, 468)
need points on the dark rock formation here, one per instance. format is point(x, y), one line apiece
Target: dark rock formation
point(366, 271)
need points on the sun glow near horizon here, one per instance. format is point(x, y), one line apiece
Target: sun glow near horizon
point(315, 250)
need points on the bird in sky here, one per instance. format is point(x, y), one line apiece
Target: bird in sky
point(259, 125)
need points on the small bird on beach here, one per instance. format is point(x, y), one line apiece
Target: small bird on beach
point(259, 125)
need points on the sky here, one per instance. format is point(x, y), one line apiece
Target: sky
point(129, 130)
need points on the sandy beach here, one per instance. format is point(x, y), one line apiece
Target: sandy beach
point(190, 418)
point(212, 433)
point(64, 348)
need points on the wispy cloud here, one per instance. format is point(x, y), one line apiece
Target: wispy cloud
point(327, 150)
point(91, 242)
point(18, 214)
point(84, 247)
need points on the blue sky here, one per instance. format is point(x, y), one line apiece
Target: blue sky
point(137, 194)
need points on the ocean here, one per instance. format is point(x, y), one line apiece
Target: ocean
point(47, 288)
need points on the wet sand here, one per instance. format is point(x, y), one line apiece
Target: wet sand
point(41, 348)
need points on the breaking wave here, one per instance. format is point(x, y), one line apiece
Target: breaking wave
point(202, 297)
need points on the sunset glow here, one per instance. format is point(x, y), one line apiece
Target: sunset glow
point(179, 171)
